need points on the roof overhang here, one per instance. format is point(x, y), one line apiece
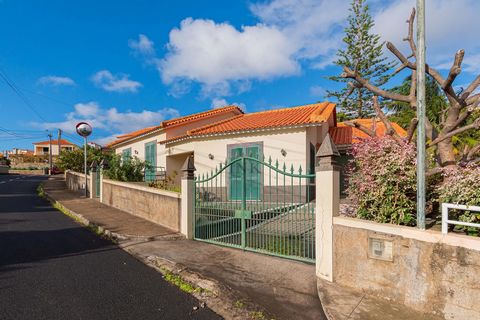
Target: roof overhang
point(237, 132)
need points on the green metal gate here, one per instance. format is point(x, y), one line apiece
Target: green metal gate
point(259, 206)
point(97, 191)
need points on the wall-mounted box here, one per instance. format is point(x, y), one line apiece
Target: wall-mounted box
point(380, 249)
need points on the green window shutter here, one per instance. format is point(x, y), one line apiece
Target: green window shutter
point(236, 174)
point(151, 160)
point(126, 154)
point(253, 173)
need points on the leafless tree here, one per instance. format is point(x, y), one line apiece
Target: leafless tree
point(454, 119)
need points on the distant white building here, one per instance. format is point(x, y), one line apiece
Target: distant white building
point(43, 147)
point(15, 151)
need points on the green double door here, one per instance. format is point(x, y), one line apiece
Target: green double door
point(245, 175)
point(151, 160)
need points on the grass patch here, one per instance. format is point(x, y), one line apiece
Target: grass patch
point(178, 281)
point(40, 191)
point(239, 304)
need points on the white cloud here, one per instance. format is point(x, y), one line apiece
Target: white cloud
point(317, 91)
point(450, 26)
point(56, 81)
point(117, 83)
point(142, 46)
point(291, 34)
point(109, 120)
point(312, 26)
point(214, 54)
point(221, 102)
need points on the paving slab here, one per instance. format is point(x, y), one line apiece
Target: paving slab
point(115, 220)
point(342, 303)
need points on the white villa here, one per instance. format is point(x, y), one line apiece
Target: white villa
point(289, 135)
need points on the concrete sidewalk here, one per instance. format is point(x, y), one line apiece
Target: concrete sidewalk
point(342, 303)
point(242, 281)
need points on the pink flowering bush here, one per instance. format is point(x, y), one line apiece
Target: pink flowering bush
point(461, 185)
point(382, 181)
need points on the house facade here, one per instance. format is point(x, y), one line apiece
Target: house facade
point(43, 147)
point(290, 136)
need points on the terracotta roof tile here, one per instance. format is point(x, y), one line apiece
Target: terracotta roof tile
point(346, 135)
point(55, 142)
point(131, 135)
point(302, 115)
point(175, 122)
point(201, 115)
point(308, 114)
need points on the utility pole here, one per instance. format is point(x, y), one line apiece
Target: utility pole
point(50, 153)
point(59, 141)
point(421, 106)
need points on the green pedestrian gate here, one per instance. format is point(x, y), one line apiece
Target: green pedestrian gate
point(258, 206)
point(97, 188)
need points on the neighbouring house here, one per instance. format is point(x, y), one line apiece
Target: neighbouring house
point(43, 147)
point(290, 135)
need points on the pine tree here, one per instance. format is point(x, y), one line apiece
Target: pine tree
point(363, 54)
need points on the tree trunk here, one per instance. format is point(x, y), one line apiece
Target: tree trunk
point(445, 153)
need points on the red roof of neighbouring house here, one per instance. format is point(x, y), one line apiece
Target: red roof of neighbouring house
point(286, 117)
point(131, 135)
point(174, 122)
point(55, 142)
point(201, 115)
point(343, 134)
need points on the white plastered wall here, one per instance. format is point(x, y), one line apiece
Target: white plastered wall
point(138, 147)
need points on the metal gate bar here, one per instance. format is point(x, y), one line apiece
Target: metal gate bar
point(275, 214)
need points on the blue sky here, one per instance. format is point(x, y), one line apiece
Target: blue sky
point(124, 65)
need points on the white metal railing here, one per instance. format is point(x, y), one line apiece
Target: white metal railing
point(446, 221)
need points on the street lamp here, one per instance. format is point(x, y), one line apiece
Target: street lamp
point(84, 130)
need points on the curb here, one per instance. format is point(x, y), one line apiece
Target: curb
point(322, 297)
point(220, 298)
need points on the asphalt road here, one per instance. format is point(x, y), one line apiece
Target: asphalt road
point(52, 268)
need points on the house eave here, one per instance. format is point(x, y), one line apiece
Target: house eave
point(249, 131)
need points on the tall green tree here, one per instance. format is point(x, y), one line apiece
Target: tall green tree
point(363, 54)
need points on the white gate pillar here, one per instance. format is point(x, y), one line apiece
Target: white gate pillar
point(92, 184)
point(188, 198)
point(103, 166)
point(327, 205)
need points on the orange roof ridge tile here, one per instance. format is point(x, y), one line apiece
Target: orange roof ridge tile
point(214, 124)
point(200, 115)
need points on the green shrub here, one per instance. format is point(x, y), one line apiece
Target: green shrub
point(129, 170)
point(461, 185)
point(382, 181)
point(74, 159)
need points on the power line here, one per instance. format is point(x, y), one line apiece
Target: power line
point(15, 89)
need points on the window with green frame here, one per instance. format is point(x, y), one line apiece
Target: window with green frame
point(126, 154)
point(253, 171)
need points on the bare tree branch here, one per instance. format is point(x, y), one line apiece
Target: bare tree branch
point(348, 73)
point(471, 88)
point(400, 56)
point(411, 129)
point(471, 154)
point(359, 126)
point(474, 125)
point(388, 126)
point(409, 38)
point(463, 116)
point(455, 69)
point(473, 99)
